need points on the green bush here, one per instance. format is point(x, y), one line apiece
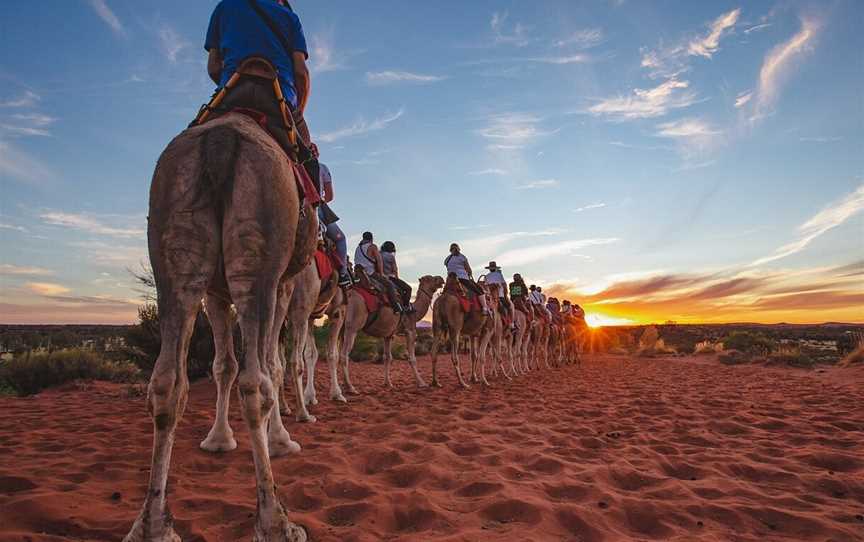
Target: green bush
point(749, 343)
point(793, 357)
point(31, 373)
point(733, 357)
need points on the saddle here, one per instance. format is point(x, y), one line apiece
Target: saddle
point(371, 294)
point(262, 70)
point(469, 301)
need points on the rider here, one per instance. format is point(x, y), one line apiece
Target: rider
point(328, 218)
point(457, 264)
point(368, 257)
point(566, 307)
point(391, 271)
point(243, 28)
point(495, 276)
point(519, 293)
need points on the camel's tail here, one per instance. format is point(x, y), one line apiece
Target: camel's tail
point(220, 148)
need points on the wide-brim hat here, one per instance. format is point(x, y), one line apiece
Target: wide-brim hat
point(492, 266)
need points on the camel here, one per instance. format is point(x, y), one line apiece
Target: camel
point(494, 335)
point(225, 222)
point(385, 325)
point(449, 320)
point(519, 342)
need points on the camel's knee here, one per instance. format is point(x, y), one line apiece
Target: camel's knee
point(225, 368)
point(166, 398)
point(258, 397)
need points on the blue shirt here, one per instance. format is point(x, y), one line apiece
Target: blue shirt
point(238, 32)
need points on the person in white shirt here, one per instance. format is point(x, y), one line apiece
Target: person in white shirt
point(327, 217)
point(391, 271)
point(457, 264)
point(538, 299)
point(368, 257)
point(495, 276)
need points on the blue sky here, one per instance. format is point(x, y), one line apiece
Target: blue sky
point(654, 160)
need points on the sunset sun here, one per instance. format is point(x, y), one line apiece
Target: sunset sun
point(599, 320)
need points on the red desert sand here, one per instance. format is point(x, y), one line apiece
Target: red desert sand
point(619, 449)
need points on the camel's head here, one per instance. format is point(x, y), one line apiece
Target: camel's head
point(431, 283)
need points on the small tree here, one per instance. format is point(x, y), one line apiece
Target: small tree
point(749, 343)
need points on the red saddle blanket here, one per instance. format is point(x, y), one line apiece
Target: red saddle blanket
point(373, 302)
point(469, 304)
point(325, 263)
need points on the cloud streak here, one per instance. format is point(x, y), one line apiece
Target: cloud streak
point(523, 256)
point(829, 218)
point(88, 224)
point(779, 63)
point(104, 12)
point(591, 206)
point(28, 99)
point(391, 77)
point(361, 127)
point(646, 103)
point(16, 270)
point(540, 183)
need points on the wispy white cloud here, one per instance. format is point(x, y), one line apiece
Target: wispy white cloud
point(512, 131)
point(757, 28)
point(104, 12)
point(584, 38)
point(522, 256)
point(360, 127)
point(46, 288)
point(516, 35)
point(778, 64)
point(13, 227)
point(646, 103)
point(687, 128)
point(171, 43)
point(825, 220)
point(27, 124)
point(559, 60)
point(591, 206)
point(672, 61)
point(688, 166)
point(16, 270)
point(708, 44)
point(742, 99)
point(540, 183)
point(19, 165)
point(819, 139)
point(390, 77)
point(489, 171)
point(88, 224)
point(323, 55)
point(28, 99)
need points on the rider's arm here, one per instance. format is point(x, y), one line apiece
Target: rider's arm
point(468, 268)
point(375, 256)
point(302, 80)
point(395, 268)
point(214, 65)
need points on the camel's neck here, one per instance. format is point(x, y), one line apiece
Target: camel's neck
point(422, 302)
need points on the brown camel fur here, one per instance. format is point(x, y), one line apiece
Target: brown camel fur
point(224, 220)
point(449, 321)
point(385, 325)
point(494, 339)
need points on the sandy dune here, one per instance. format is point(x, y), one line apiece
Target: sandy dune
point(678, 449)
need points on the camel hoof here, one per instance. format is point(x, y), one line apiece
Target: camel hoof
point(421, 384)
point(306, 418)
point(465, 385)
point(283, 445)
point(353, 391)
point(436, 384)
point(152, 533)
point(219, 442)
point(310, 400)
point(338, 398)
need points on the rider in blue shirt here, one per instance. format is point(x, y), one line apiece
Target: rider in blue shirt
point(237, 32)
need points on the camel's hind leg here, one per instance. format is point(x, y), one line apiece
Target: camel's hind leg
point(184, 251)
point(279, 441)
point(454, 357)
point(411, 346)
point(310, 358)
point(221, 437)
point(336, 322)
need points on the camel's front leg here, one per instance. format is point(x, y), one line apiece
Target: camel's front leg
point(347, 345)
point(436, 340)
point(310, 357)
point(454, 357)
point(388, 359)
point(225, 367)
point(299, 335)
point(336, 320)
point(411, 345)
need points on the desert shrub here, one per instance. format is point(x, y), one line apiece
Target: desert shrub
point(144, 340)
point(849, 342)
point(856, 356)
point(749, 343)
point(792, 356)
point(733, 357)
point(707, 347)
point(366, 348)
point(32, 372)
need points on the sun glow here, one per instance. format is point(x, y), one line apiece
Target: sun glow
point(599, 320)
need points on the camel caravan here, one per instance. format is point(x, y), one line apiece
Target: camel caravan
point(240, 218)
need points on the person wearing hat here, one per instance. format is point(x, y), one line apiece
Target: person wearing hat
point(457, 264)
point(495, 276)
